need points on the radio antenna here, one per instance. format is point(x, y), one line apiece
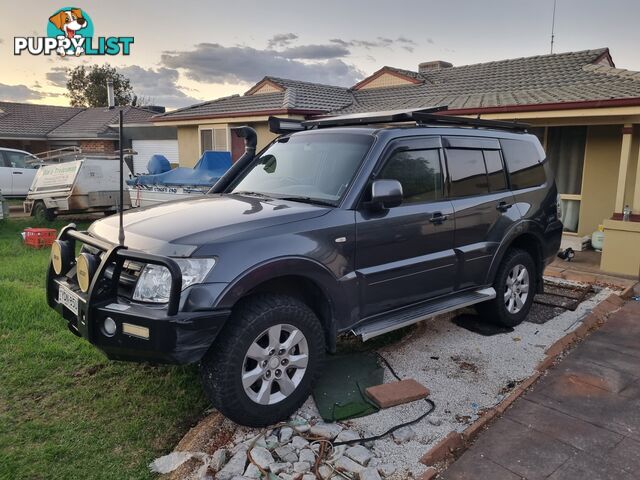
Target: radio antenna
point(553, 24)
point(112, 102)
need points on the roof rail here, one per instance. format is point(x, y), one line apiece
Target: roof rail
point(425, 118)
point(366, 118)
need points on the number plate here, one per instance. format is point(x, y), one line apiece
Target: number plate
point(68, 298)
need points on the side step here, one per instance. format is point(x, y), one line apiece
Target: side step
point(410, 315)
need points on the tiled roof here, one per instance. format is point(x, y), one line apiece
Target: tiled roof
point(558, 78)
point(94, 122)
point(297, 95)
point(26, 120)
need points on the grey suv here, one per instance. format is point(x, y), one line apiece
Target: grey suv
point(358, 224)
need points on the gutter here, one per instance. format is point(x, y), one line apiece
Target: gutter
point(281, 111)
point(610, 102)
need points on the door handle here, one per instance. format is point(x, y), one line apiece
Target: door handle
point(437, 218)
point(503, 206)
point(17, 173)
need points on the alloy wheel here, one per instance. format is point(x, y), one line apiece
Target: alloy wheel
point(516, 289)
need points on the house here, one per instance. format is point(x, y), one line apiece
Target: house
point(585, 111)
point(39, 128)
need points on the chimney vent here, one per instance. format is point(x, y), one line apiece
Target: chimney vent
point(426, 67)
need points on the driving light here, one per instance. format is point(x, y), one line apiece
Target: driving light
point(85, 268)
point(154, 283)
point(109, 327)
point(61, 256)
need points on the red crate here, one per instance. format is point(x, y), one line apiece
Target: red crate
point(39, 237)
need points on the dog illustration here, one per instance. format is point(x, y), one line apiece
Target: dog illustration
point(69, 21)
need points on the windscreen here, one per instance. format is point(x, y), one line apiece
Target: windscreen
point(317, 166)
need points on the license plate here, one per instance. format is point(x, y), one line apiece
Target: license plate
point(68, 298)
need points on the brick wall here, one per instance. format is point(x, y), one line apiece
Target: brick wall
point(97, 146)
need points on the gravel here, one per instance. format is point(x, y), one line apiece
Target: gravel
point(466, 373)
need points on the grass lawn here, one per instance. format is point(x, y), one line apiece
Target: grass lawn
point(65, 410)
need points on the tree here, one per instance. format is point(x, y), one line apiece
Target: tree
point(88, 87)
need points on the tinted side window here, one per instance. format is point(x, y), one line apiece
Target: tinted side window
point(523, 163)
point(467, 172)
point(495, 171)
point(419, 173)
point(3, 161)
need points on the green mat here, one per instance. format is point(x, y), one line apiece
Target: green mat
point(339, 394)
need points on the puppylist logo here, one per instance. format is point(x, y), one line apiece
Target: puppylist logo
point(70, 32)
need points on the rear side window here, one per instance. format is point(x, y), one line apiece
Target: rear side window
point(467, 172)
point(419, 173)
point(495, 171)
point(523, 163)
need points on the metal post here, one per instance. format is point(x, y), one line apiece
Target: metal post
point(121, 206)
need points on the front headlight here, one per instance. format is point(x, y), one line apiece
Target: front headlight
point(154, 282)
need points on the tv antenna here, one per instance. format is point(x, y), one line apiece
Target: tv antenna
point(553, 24)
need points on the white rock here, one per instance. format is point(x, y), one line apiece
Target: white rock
point(308, 476)
point(346, 435)
point(262, 457)
point(285, 434)
point(386, 469)
point(279, 467)
point(325, 471)
point(359, 454)
point(252, 471)
point(286, 476)
point(235, 466)
point(307, 455)
point(298, 442)
point(345, 463)
point(403, 434)
point(218, 459)
point(301, 467)
point(303, 428)
point(286, 454)
point(374, 462)
point(337, 453)
point(168, 463)
point(326, 430)
point(369, 474)
point(435, 421)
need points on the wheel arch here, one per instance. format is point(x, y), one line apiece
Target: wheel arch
point(304, 279)
point(525, 237)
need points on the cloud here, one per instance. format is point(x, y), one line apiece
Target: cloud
point(57, 76)
point(315, 52)
point(158, 85)
point(215, 63)
point(406, 40)
point(18, 93)
point(380, 42)
point(281, 40)
point(430, 41)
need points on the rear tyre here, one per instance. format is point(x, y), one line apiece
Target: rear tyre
point(515, 288)
point(266, 360)
point(41, 212)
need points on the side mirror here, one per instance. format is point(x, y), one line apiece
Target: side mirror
point(386, 194)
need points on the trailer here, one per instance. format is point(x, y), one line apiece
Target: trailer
point(86, 185)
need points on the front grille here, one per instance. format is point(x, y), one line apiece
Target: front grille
point(128, 277)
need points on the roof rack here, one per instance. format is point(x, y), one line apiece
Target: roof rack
point(421, 117)
point(366, 118)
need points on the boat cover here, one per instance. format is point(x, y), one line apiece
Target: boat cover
point(211, 166)
point(158, 164)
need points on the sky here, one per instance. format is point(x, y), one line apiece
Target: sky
point(191, 51)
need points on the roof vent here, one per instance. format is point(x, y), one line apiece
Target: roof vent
point(433, 66)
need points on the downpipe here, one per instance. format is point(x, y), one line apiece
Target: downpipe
point(250, 141)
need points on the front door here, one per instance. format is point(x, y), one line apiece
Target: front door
point(482, 203)
point(405, 254)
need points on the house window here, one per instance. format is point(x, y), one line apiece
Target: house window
point(565, 150)
point(214, 139)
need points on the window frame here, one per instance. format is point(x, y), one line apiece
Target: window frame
point(430, 142)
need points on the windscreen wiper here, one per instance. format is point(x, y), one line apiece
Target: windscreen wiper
point(314, 201)
point(252, 194)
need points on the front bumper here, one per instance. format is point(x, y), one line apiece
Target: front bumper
point(156, 333)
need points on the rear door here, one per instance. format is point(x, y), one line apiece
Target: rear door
point(483, 205)
point(6, 176)
point(22, 174)
point(405, 254)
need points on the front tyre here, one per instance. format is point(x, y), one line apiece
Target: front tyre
point(515, 288)
point(265, 362)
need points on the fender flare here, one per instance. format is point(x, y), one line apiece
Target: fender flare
point(321, 276)
point(526, 227)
